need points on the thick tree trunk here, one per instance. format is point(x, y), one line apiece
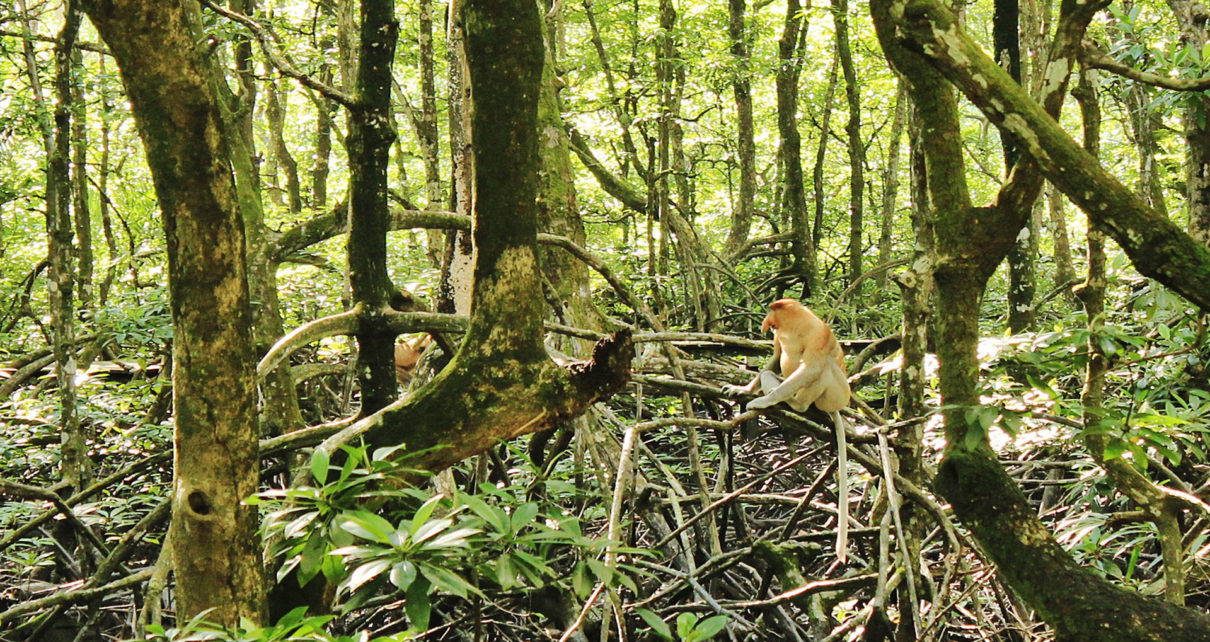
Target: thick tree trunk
point(216, 548)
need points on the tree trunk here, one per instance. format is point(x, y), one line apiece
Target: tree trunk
point(741, 88)
point(890, 187)
point(819, 189)
point(844, 52)
point(1023, 255)
point(1195, 33)
point(287, 167)
point(370, 139)
point(789, 66)
point(215, 543)
point(61, 277)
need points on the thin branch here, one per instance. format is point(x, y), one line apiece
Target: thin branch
point(280, 61)
point(1092, 56)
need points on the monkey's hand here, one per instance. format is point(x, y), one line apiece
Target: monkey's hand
point(735, 391)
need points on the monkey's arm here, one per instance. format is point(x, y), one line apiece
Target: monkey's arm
point(807, 374)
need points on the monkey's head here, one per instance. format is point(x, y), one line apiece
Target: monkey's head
point(779, 311)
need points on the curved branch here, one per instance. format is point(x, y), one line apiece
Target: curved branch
point(346, 323)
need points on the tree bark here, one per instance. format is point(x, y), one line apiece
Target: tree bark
point(216, 547)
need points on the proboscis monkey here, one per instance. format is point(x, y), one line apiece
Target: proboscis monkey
point(407, 355)
point(811, 361)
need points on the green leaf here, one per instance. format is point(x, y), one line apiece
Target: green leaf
point(312, 556)
point(658, 626)
point(685, 623)
point(366, 572)
point(423, 513)
point(581, 580)
point(708, 628)
point(496, 517)
point(976, 431)
point(1115, 447)
point(403, 574)
point(418, 607)
point(319, 465)
point(506, 572)
point(367, 525)
point(428, 530)
point(447, 580)
point(453, 539)
point(524, 515)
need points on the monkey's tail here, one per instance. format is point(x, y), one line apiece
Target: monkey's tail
point(842, 491)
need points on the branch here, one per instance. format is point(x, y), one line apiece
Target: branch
point(1092, 56)
point(264, 35)
point(335, 222)
point(346, 323)
point(611, 183)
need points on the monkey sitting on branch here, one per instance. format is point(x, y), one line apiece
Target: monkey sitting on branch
point(811, 364)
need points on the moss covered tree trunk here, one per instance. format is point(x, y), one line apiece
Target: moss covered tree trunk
point(214, 539)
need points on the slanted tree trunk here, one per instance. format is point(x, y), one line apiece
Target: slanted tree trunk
point(215, 543)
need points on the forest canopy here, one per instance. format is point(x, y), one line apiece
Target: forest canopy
point(408, 319)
